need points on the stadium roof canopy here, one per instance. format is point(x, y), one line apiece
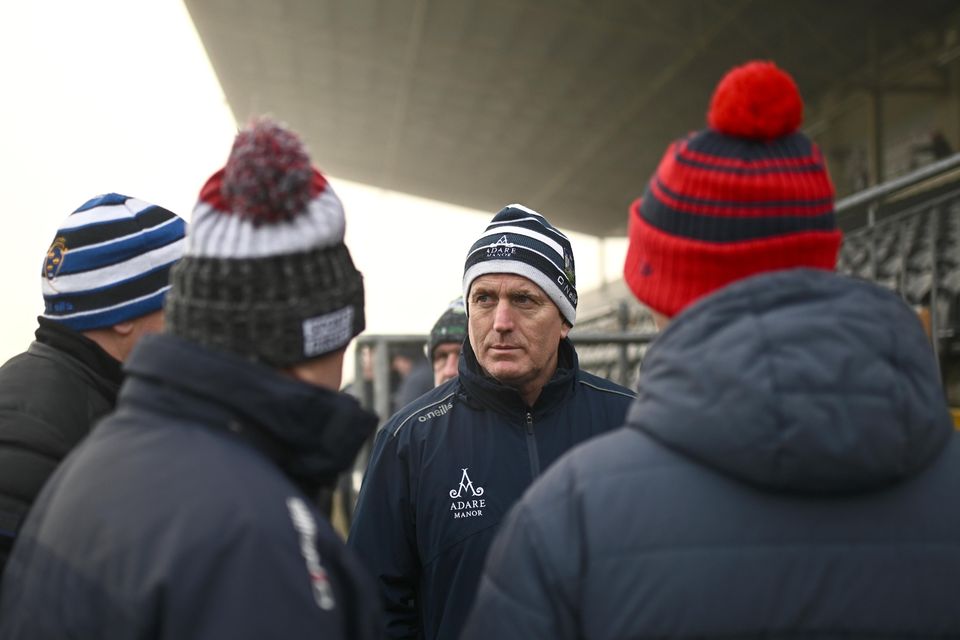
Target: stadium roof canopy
point(563, 105)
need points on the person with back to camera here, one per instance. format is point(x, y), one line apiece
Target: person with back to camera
point(188, 512)
point(104, 280)
point(789, 468)
point(414, 373)
point(447, 468)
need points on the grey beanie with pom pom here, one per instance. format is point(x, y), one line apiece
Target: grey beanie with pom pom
point(266, 274)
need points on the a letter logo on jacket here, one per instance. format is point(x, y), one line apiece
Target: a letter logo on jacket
point(467, 507)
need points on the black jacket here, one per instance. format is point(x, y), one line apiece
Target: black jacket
point(789, 470)
point(50, 396)
point(187, 512)
point(447, 468)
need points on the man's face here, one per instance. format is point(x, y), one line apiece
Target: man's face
point(515, 330)
point(445, 359)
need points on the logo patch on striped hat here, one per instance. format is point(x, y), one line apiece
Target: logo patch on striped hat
point(55, 256)
point(501, 248)
point(568, 269)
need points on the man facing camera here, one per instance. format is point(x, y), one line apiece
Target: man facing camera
point(446, 342)
point(447, 468)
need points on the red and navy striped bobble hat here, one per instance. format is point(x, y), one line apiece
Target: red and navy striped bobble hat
point(747, 195)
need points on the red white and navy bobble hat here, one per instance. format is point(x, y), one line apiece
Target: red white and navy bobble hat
point(266, 274)
point(110, 262)
point(521, 241)
point(747, 195)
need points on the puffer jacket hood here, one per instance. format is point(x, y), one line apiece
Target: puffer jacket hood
point(745, 381)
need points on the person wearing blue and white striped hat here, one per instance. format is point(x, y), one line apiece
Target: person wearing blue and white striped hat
point(104, 279)
point(447, 468)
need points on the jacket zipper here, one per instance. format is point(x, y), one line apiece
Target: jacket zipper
point(532, 448)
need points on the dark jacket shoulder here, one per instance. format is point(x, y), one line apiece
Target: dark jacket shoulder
point(789, 452)
point(50, 397)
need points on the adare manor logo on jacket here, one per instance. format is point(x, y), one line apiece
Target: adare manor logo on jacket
point(465, 503)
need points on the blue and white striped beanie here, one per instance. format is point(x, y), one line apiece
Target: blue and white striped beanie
point(520, 241)
point(110, 262)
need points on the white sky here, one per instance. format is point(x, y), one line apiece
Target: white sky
point(118, 95)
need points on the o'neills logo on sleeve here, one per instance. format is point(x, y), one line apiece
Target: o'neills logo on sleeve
point(435, 413)
point(467, 502)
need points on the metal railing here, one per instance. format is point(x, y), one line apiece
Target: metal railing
point(619, 366)
point(890, 228)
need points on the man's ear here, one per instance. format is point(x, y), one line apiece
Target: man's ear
point(565, 329)
point(123, 328)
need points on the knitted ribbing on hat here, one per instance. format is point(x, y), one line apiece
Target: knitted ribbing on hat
point(267, 200)
point(522, 242)
point(266, 273)
point(747, 195)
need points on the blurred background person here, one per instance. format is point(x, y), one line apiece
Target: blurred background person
point(411, 374)
point(446, 342)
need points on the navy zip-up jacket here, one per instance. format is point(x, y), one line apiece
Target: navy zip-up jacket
point(446, 469)
point(188, 513)
point(789, 470)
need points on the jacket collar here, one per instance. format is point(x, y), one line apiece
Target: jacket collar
point(313, 434)
point(481, 388)
point(82, 348)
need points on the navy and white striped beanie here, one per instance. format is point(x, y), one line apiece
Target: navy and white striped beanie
point(521, 241)
point(110, 262)
point(266, 274)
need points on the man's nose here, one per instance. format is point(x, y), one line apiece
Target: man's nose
point(503, 316)
point(450, 365)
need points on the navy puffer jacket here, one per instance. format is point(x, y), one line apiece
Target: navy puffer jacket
point(188, 513)
point(788, 470)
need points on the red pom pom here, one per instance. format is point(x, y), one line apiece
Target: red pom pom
point(757, 100)
point(268, 175)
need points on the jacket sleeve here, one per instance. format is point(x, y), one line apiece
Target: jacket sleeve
point(30, 450)
point(529, 585)
point(382, 534)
